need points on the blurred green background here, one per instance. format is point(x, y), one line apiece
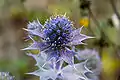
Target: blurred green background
point(101, 19)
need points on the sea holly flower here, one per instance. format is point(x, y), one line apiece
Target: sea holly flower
point(80, 72)
point(57, 36)
point(6, 76)
point(93, 60)
point(57, 40)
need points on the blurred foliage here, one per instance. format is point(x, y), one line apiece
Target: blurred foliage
point(110, 64)
point(18, 68)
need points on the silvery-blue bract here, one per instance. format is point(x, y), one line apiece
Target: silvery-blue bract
point(89, 69)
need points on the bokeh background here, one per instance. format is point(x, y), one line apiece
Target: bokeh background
point(101, 19)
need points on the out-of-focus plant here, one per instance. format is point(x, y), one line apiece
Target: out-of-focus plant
point(109, 69)
point(84, 21)
point(6, 76)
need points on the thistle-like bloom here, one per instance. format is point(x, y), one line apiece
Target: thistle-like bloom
point(57, 36)
point(93, 60)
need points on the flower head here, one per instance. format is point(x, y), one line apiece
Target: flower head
point(6, 76)
point(84, 21)
point(93, 60)
point(57, 36)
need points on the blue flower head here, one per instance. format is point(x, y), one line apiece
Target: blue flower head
point(57, 36)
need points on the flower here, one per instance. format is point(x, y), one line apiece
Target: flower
point(57, 36)
point(93, 60)
point(84, 21)
point(80, 72)
point(6, 76)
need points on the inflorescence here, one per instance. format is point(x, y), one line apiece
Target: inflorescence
point(57, 38)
